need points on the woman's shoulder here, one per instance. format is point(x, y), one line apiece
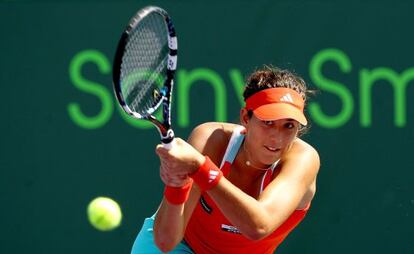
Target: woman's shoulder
point(300, 145)
point(211, 138)
point(305, 161)
point(301, 151)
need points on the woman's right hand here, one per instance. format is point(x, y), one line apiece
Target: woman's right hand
point(173, 180)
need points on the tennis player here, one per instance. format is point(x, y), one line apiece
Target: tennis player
point(238, 188)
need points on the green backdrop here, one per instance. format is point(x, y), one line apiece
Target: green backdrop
point(64, 140)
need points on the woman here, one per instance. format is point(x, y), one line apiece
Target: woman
point(237, 188)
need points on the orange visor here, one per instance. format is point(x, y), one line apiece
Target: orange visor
point(277, 103)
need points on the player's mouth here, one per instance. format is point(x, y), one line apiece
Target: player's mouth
point(272, 149)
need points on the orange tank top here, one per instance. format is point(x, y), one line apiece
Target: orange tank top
point(208, 230)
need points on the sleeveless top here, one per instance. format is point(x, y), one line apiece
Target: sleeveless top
point(208, 231)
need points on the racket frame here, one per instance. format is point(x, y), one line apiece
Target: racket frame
point(164, 127)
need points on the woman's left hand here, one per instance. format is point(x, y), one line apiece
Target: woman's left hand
point(182, 159)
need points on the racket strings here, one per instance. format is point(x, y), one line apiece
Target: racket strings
point(148, 87)
point(143, 68)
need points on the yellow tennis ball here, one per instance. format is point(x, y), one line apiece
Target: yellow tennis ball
point(104, 213)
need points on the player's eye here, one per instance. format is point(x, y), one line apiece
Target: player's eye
point(289, 125)
point(269, 123)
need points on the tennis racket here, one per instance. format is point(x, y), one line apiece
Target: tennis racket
point(144, 67)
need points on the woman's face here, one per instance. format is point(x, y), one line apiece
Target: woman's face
point(266, 141)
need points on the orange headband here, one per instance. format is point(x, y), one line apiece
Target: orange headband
point(277, 103)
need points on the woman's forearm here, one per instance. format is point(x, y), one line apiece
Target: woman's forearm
point(240, 209)
point(254, 219)
point(169, 226)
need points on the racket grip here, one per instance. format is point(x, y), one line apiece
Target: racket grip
point(170, 145)
point(168, 140)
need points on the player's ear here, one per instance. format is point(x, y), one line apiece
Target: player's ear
point(244, 117)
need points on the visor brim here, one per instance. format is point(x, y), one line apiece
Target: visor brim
point(277, 111)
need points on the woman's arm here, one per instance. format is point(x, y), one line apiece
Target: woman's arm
point(257, 219)
point(171, 220)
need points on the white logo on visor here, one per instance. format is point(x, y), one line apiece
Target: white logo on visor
point(287, 97)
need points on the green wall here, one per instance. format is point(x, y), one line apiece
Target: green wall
point(64, 140)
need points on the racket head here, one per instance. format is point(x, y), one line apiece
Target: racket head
point(144, 67)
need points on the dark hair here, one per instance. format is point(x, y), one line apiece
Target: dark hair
point(272, 77)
